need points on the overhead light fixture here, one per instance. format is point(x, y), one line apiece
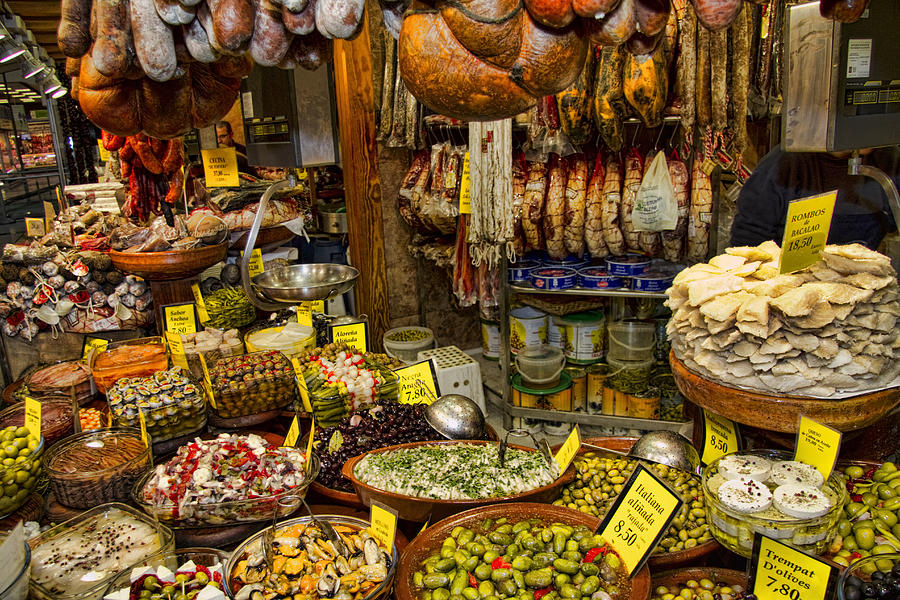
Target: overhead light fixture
point(32, 69)
point(53, 88)
point(59, 93)
point(13, 53)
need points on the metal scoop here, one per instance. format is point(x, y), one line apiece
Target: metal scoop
point(543, 446)
point(454, 416)
point(663, 447)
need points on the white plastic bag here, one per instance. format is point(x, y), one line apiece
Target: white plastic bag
point(656, 208)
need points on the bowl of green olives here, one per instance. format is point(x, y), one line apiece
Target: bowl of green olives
point(700, 583)
point(600, 476)
point(869, 524)
point(20, 466)
point(518, 551)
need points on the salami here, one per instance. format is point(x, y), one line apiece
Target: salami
point(555, 209)
point(717, 15)
point(651, 15)
point(74, 33)
point(612, 200)
point(704, 99)
point(174, 12)
point(153, 41)
point(700, 213)
point(520, 174)
point(576, 197)
point(740, 75)
point(233, 23)
point(113, 50)
point(593, 219)
point(634, 173)
point(673, 241)
point(302, 22)
point(686, 68)
point(339, 18)
point(533, 205)
point(197, 42)
point(387, 88)
point(270, 41)
point(718, 69)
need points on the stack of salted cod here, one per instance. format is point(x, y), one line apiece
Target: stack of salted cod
point(825, 331)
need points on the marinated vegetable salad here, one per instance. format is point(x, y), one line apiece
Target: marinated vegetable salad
point(227, 468)
point(455, 471)
point(189, 581)
point(526, 561)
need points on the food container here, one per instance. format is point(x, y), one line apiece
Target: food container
point(253, 545)
point(290, 338)
point(17, 589)
point(663, 345)
point(653, 281)
point(405, 343)
point(172, 402)
point(100, 466)
point(579, 387)
point(527, 327)
point(418, 509)
point(128, 358)
point(571, 262)
point(677, 580)
point(670, 400)
point(431, 541)
point(541, 365)
point(521, 271)
point(554, 278)
point(615, 403)
point(555, 333)
point(219, 514)
point(211, 344)
point(559, 397)
point(251, 383)
point(57, 420)
point(631, 340)
point(171, 560)
point(861, 572)
point(630, 377)
point(584, 336)
point(596, 278)
point(108, 538)
point(21, 476)
point(596, 378)
point(490, 339)
point(630, 265)
point(735, 530)
point(71, 378)
point(644, 405)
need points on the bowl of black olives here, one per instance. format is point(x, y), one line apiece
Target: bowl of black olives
point(876, 576)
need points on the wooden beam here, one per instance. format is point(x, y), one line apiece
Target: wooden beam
point(43, 25)
point(45, 39)
point(362, 184)
point(35, 8)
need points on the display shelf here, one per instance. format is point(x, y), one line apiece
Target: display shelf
point(594, 420)
point(579, 291)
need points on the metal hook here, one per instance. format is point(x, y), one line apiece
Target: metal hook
point(634, 137)
point(675, 129)
point(659, 136)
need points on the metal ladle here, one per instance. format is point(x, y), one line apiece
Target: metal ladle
point(454, 416)
point(663, 447)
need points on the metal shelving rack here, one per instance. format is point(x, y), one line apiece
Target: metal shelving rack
point(510, 411)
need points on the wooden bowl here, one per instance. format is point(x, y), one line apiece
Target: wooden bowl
point(714, 574)
point(351, 498)
point(666, 560)
point(169, 265)
point(779, 413)
point(429, 509)
point(268, 237)
point(431, 539)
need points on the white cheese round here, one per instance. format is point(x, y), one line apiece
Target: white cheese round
point(801, 501)
point(738, 466)
point(795, 472)
point(745, 496)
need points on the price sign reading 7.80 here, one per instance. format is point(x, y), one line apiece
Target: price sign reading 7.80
point(418, 383)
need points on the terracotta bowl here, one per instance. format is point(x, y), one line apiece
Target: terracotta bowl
point(779, 413)
point(351, 498)
point(431, 539)
point(428, 509)
point(714, 574)
point(168, 265)
point(657, 562)
point(266, 238)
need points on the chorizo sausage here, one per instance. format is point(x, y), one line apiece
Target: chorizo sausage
point(233, 22)
point(339, 18)
point(197, 42)
point(174, 12)
point(153, 41)
point(651, 15)
point(300, 23)
point(270, 41)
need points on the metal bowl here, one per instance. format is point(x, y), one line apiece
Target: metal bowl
point(301, 283)
point(456, 417)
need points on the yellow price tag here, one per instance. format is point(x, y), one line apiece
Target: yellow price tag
point(207, 384)
point(176, 350)
point(806, 231)
point(568, 450)
point(817, 445)
point(220, 167)
point(410, 390)
point(305, 311)
point(465, 187)
point(145, 437)
point(104, 153)
point(719, 436)
point(354, 335)
point(309, 442)
point(779, 572)
point(92, 344)
point(34, 227)
point(256, 262)
point(639, 518)
point(293, 433)
point(33, 416)
point(383, 524)
point(301, 386)
point(180, 318)
point(199, 303)
point(109, 418)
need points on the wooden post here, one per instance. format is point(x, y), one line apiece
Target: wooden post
point(362, 184)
